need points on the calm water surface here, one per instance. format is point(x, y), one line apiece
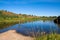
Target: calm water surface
point(34, 27)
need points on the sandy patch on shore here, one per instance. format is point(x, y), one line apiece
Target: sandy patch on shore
point(12, 35)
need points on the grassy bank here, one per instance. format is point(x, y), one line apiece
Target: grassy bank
point(49, 37)
point(13, 17)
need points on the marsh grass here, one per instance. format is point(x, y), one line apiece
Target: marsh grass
point(42, 35)
point(53, 35)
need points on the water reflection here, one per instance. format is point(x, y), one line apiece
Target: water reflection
point(6, 24)
point(35, 28)
point(57, 24)
point(38, 28)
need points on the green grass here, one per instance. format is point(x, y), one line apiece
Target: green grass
point(49, 37)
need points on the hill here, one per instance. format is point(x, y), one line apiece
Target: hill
point(10, 16)
point(6, 15)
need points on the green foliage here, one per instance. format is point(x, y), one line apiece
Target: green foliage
point(49, 37)
point(5, 15)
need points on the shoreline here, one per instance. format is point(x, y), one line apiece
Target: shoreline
point(13, 35)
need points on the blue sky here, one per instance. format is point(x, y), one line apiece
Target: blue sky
point(32, 7)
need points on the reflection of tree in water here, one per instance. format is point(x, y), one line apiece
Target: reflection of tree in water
point(44, 20)
point(57, 20)
point(58, 25)
point(6, 24)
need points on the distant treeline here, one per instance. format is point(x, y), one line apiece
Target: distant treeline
point(6, 15)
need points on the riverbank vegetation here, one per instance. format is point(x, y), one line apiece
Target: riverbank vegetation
point(49, 37)
point(9, 16)
point(6, 16)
